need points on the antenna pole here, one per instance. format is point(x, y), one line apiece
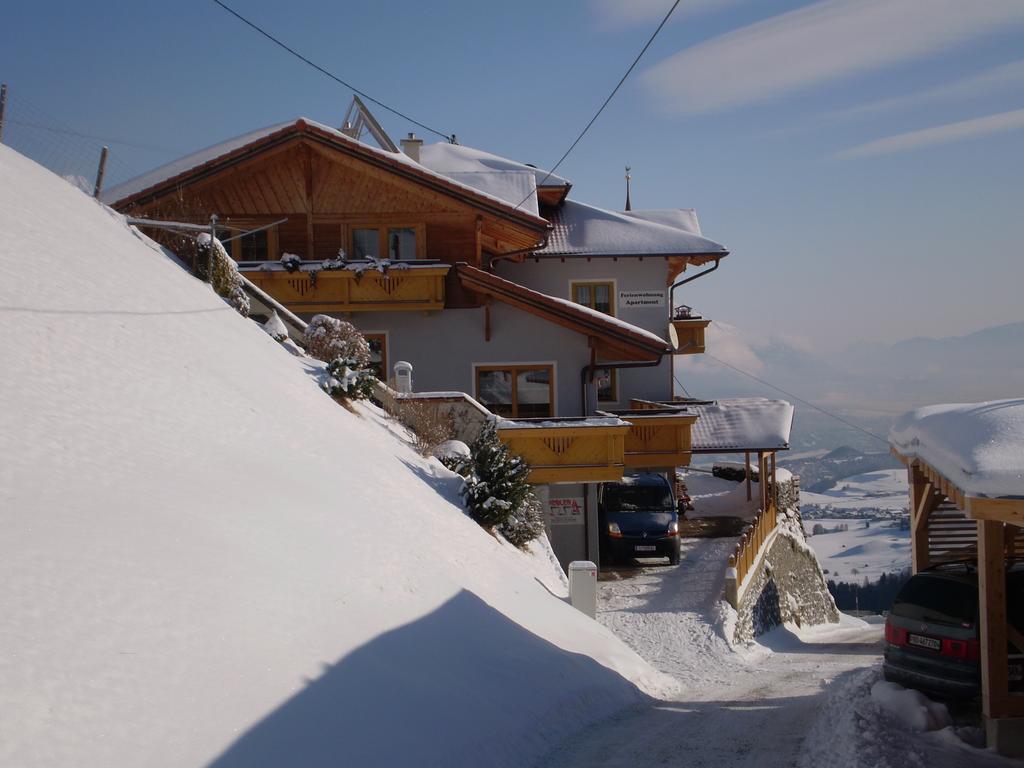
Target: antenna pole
point(629, 205)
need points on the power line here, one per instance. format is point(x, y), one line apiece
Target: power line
point(70, 132)
point(799, 399)
point(331, 75)
point(611, 95)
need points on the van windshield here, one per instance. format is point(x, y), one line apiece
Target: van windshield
point(637, 498)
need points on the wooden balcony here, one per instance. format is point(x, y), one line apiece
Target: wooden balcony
point(687, 335)
point(568, 450)
point(312, 289)
point(658, 438)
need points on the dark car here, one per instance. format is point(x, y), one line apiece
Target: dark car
point(932, 632)
point(638, 518)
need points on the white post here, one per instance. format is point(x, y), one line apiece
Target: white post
point(583, 587)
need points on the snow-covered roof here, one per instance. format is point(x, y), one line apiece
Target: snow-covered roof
point(979, 447)
point(455, 158)
point(484, 188)
point(605, 328)
point(741, 424)
point(679, 218)
point(581, 229)
point(515, 187)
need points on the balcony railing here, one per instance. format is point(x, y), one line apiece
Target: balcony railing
point(568, 450)
point(354, 287)
point(657, 437)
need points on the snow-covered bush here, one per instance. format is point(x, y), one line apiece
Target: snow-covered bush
point(496, 493)
point(276, 327)
point(222, 274)
point(346, 379)
point(291, 261)
point(456, 456)
point(328, 338)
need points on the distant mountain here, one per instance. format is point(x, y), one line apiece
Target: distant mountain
point(867, 384)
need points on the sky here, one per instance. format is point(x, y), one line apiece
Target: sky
point(863, 160)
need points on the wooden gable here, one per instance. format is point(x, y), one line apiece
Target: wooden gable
point(325, 191)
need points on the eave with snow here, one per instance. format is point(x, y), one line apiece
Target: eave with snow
point(965, 465)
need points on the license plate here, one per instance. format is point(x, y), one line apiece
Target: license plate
point(645, 548)
point(931, 643)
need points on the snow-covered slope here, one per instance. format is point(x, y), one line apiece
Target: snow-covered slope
point(204, 560)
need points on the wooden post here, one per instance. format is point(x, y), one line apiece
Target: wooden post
point(992, 608)
point(209, 253)
point(100, 171)
point(923, 501)
point(774, 496)
point(746, 457)
point(761, 477)
point(3, 109)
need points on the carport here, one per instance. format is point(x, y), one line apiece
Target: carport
point(965, 466)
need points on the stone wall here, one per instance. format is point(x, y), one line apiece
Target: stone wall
point(786, 584)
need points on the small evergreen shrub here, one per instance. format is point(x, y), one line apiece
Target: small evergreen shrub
point(328, 338)
point(344, 378)
point(496, 493)
point(222, 274)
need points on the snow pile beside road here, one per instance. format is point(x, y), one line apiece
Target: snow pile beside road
point(867, 722)
point(206, 561)
point(915, 709)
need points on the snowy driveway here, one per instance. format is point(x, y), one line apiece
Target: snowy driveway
point(733, 709)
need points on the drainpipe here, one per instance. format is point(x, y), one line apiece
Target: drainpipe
point(588, 373)
point(680, 283)
point(512, 254)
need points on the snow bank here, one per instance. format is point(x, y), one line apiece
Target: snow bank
point(205, 561)
point(912, 707)
point(978, 446)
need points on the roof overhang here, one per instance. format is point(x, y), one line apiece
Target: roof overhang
point(304, 130)
point(742, 425)
point(611, 338)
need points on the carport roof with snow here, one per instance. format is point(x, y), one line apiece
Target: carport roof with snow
point(741, 424)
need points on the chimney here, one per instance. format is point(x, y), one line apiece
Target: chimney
point(411, 146)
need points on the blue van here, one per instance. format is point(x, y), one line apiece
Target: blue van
point(638, 517)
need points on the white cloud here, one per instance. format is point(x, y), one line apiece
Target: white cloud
point(629, 12)
point(940, 134)
point(822, 42)
point(731, 346)
point(999, 78)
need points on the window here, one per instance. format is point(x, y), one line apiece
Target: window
point(256, 246)
point(378, 354)
point(253, 247)
point(600, 296)
point(597, 296)
point(366, 243)
point(517, 391)
point(401, 243)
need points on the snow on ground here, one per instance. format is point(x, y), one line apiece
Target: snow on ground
point(714, 497)
point(859, 552)
point(865, 722)
point(206, 561)
point(746, 708)
point(884, 489)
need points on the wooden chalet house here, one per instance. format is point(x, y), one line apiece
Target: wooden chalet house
point(497, 283)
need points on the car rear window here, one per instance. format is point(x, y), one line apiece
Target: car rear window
point(938, 600)
point(637, 498)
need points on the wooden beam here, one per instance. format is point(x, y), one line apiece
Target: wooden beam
point(992, 608)
point(746, 458)
point(1005, 510)
point(307, 172)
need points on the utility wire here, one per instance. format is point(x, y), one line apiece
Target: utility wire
point(799, 399)
point(331, 75)
point(597, 114)
point(70, 132)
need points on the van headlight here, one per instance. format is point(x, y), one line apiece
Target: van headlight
point(614, 530)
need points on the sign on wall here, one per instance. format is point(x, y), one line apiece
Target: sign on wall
point(638, 299)
point(565, 511)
